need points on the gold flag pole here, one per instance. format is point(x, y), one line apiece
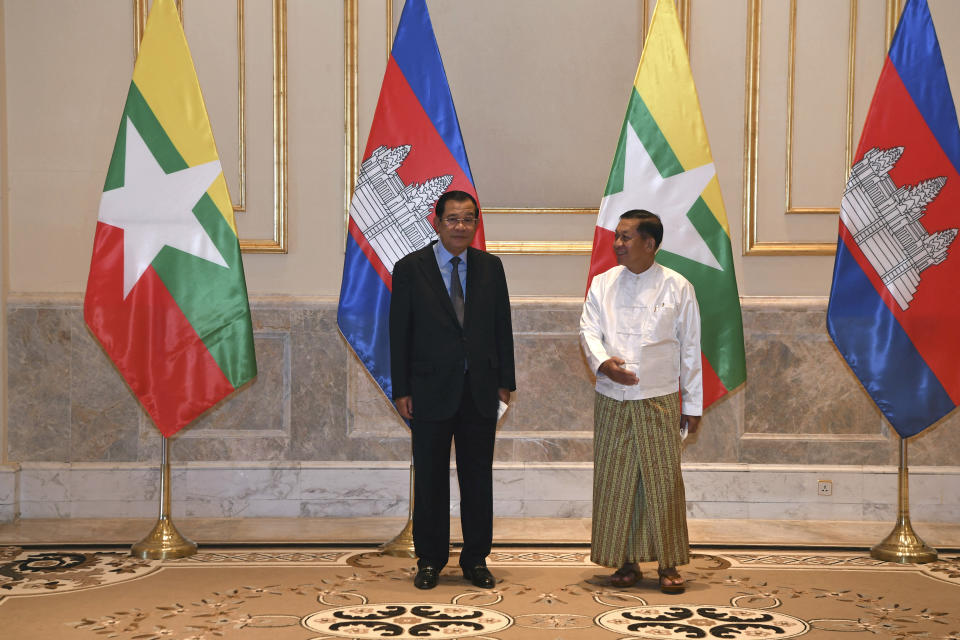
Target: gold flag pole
point(903, 545)
point(402, 544)
point(164, 541)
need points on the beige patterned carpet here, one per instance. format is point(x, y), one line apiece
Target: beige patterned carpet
point(542, 594)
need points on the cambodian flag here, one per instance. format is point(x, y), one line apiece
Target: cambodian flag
point(894, 311)
point(414, 153)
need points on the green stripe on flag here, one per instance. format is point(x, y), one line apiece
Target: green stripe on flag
point(218, 311)
point(640, 118)
point(137, 109)
point(720, 316)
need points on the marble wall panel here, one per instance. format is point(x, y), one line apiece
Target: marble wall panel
point(547, 449)
point(104, 414)
point(353, 508)
point(559, 483)
point(106, 508)
point(937, 445)
point(522, 490)
point(263, 404)
point(557, 509)
point(718, 439)
point(8, 484)
point(38, 383)
point(369, 412)
point(546, 315)
point(554, 385)
point(506, 508)
point(509, 485)
point(721, 510)
point(237, 507)
point(804, 511)
point(931, 513)
point(799, 383)
point(57, 509)
point(241, 484)
point(8, 493)
point(313, 401)
point(318, 386)
point(225, 448)
point(319, 484)
point(813, 451)
point(51, 484)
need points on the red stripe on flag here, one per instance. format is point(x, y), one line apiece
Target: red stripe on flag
point(713, 388)
point(372, 256)
point(400, 119)
point(602, 257)
point(897, 123)
point(153, 345)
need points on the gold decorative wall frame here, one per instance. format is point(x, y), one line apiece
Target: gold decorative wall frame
point(352, 141)
point(752, 245)
point(278, 243)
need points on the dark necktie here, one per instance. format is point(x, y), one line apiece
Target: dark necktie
point(456, 289)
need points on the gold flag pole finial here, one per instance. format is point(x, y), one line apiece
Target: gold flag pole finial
point(402, 544)
point(903, 545)
point(164, 541)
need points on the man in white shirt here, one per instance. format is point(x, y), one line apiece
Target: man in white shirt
point(640, 331)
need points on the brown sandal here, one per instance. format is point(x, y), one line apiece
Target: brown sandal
point(626, 576)
point(667, 584)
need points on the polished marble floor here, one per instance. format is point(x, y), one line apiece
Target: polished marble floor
point(361, 531)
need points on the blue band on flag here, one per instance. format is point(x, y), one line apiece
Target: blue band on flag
point(915, 52)
point(880, 353)
point(418, 57)
point(362, 313)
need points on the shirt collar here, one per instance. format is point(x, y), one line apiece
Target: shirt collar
point(443, 256)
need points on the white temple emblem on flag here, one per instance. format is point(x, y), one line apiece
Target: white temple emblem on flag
point(391, 215)
point(884, 221)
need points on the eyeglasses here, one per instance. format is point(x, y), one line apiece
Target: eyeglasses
point(453, 222)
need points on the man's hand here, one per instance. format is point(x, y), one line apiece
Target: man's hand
point(405, 406)
point(504, 395)
point(692, 423)
point(613, 369)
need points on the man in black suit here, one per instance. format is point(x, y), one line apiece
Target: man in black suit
point(451, 360)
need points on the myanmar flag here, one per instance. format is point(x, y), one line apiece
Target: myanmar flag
point(166, 295)
point(663, 164)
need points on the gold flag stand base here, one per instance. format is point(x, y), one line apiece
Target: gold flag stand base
point(164, 541)
point(903, 545)
point(402, 544)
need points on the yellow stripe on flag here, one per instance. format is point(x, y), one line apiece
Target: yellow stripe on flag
point(665, 83)
point(167, 79)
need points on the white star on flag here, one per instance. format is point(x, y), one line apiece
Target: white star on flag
point(670, 198)
point(155, 209)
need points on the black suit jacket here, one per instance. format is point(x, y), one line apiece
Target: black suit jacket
point(428, 347)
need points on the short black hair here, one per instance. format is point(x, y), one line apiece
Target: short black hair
point(648, 224)
point(456, 196)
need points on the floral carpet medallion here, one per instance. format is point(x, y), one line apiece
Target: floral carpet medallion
point(26, 572)
point(408, 620)
point(541, 594)
point(698, 621)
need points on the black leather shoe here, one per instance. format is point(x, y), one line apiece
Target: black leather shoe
point(480, 576)
point(426, 578)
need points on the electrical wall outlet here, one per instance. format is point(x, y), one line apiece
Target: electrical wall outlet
point(825, 488)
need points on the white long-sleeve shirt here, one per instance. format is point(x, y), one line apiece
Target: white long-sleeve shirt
point(652, 321)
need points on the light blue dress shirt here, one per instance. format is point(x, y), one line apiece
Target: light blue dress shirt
point(446, 269)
